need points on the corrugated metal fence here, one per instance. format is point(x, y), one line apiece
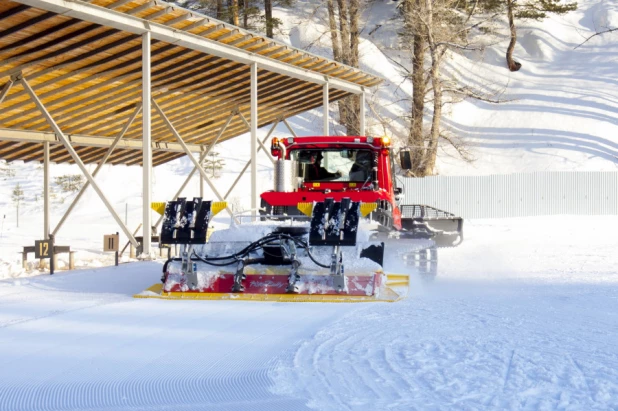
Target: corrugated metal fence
point(517, 195)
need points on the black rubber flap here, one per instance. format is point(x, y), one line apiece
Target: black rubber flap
point(334, 223)
point(185, 222)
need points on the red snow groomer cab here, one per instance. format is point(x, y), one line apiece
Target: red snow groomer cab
point(332, 229)
point(312, 169)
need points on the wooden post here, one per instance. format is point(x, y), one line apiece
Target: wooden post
point(52, 264)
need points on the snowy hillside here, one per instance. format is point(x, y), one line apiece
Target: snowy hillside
point(522, 316)
point(559, 110)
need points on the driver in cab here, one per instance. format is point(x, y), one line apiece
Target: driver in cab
point(315, 171)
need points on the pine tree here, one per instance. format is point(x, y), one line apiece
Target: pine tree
point(70, 182)
point(6, 169)
point(17, 197)
point(213, 164)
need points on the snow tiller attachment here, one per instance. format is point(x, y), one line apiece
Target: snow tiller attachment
point(317, 261)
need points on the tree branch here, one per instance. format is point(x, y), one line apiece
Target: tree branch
point(598, 33)
point(459, 46)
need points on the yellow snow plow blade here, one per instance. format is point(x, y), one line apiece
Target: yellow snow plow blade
point(387, 294)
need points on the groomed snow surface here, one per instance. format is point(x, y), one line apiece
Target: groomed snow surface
point(523, 315)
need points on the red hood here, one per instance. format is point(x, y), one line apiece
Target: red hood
point(292, 199)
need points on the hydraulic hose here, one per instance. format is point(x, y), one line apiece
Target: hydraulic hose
point(256, 245)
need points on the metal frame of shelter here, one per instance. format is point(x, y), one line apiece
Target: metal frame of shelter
point(76, 77)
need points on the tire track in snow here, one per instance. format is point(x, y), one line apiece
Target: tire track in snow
point(55, 387)
point(508, 370)
point(500, 351)
point(231, 368)
point(40, 329)
point(181, 387)
point(583, 375)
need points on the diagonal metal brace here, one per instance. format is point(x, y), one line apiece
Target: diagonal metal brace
point(65, 141)
point(189, 153)
point(202, 157)
point(79, 195)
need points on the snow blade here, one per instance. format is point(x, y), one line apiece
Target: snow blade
point(186, 222)
point(334, 223)
point(300, 263)
point(395, 289)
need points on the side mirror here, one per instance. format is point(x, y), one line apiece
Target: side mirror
point(398, 190)
point(405, 160)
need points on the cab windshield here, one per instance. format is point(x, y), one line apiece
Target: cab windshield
point(341, 165)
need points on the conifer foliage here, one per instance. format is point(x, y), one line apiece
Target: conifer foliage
point(213, 164)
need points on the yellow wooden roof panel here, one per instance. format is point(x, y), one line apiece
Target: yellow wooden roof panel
point(89, 79)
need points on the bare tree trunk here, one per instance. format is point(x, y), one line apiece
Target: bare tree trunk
point(353, 123)
point(245, 13)
point(268, 12)
point(434, 134)
point(334, 33)
point(233, 8)
point(415, 29)
point(336, 41)
point(219, 9)
point(345, 110)
point(354, 33)
point(419, 89)
point(345, 30)
point(512, 64)
point(418, 101)
point(345, 40)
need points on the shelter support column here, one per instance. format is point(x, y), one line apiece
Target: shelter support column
point(146, 143)
point(201, 184)
point(362, 114)
point(254, 144)
point(325, 108)
point(46, 190)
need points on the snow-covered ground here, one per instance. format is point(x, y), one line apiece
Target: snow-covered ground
point(524, 315)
